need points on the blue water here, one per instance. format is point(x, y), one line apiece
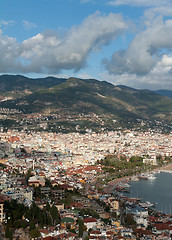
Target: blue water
point(157, 191)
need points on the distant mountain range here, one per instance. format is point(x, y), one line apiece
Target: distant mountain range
point(167, 93)
point(75, 95)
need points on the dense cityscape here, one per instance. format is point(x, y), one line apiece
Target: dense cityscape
point(70, 186)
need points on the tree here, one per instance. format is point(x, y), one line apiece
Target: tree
point(29, 174)
point(32, 226)
point(47, 206)
point(81, 229)
point(35, 233)
point(48, 183)
point(86, 238)
point(129, 220)
point(23, 224)
point(54, 215)
point(8, 233)
point(37, 192)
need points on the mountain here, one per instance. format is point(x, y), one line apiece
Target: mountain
point(73, 96)
point(167, 93)
point(14, 86)
point(20, 83)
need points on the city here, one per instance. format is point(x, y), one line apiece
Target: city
point(67, 172)
point(86, 120)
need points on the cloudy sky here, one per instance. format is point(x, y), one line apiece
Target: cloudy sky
point(125, 42)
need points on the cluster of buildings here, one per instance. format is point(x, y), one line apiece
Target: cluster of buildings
point(67, 160)
point(90, 147)
point(110, 224)
point(50, 121)
point(15, 187)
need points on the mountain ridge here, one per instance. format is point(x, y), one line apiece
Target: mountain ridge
point(76, 95)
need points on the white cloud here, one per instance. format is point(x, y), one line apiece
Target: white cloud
point(158, 78)
point(151, 13)
point(9, 51)
point(28, 25)
point(6, 23)
point(84, 75)
point(47, 52)
point(147, 62)
point(140, 3)
point(144, 52)
point(166, 62)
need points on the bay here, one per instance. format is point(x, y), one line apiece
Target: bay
point(157, 191)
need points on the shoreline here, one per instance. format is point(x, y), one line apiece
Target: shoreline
point(166, 168)
point(112, 184)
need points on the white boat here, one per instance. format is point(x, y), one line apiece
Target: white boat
point(148, 176)
point(124, 185)
point(134, 178)
point(151, 176)
point(146, 204)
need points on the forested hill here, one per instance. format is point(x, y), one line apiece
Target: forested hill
point(75, 95)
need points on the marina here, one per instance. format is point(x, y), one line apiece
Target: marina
point(154, 190)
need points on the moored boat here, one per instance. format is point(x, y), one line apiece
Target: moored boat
point(151, 176)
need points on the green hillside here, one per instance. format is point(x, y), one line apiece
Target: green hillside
point(83, 96)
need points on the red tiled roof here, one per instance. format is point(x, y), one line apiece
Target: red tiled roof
point(163, 226)
point(77, 205)
point(95, 232)
point(14, 139)
point(87, 220)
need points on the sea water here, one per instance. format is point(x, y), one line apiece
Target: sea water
point(157, 191)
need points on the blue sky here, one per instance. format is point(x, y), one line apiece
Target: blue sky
point(125, 42)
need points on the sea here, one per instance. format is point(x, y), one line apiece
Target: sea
point(157, 191)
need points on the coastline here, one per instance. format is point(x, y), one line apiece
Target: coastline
point(166, 168)
point(112, 184)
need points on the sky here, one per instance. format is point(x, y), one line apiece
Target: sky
point(125, 42)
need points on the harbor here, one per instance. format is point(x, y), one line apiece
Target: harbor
point(152, 190)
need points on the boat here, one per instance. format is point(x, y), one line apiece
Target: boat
point(123, 186)
point(134, 178)
point(151, 176)
point(143, 176)
point(146, 204)
point(147, 176)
